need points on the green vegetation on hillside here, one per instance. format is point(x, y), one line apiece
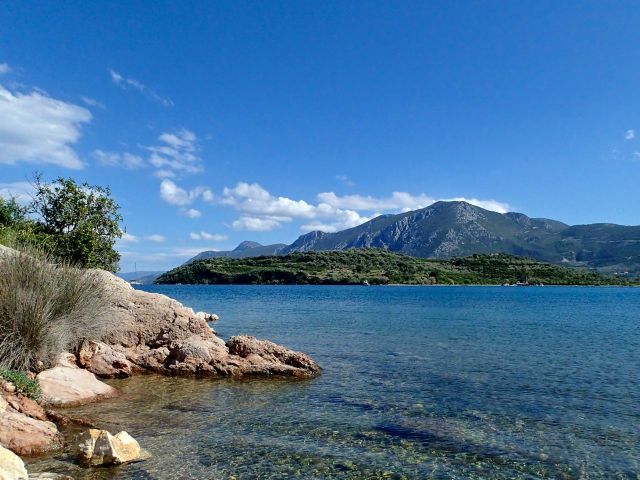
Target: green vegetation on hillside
point(77, 223)
point(379, 267)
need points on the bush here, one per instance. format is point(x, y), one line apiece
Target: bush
point(46, 308)
point(23, 384)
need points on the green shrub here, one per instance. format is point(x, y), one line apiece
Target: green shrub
point(46, 308)
point(23, 384)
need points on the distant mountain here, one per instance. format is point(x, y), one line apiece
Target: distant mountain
point(243, 250)
point(141, 276)
point(457, 229)
point(453, 229)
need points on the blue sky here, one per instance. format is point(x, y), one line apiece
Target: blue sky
point(216, 122)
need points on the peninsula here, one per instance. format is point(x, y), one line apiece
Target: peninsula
point(380, 267)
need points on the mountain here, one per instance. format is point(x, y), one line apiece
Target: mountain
point(458, 229)
point(243, 250)
point(454, 229)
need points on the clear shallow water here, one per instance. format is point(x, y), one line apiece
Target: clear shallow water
point(419, 382)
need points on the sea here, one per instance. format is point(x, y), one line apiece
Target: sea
point(417, 383)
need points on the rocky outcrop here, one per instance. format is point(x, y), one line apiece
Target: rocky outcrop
point(99, 447)
point(24, 427)
point(67, 385)
point(153, 332)
point(262, 357)
point(11, 466)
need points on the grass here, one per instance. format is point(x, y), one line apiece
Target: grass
point(46, 308)
point(23, 384)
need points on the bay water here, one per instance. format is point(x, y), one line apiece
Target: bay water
point(418, 382)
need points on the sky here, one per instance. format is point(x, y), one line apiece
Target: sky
point(217, 122)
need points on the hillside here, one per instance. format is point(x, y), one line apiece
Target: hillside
point(358, 266)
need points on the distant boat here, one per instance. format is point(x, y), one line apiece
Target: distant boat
point(365, 283)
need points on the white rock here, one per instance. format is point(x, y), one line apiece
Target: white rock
point(11, 466)
point(99, 447)
point(65, 386)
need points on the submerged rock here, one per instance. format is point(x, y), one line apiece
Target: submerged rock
point(99, 447)
point(153, 332)
point(11, 466)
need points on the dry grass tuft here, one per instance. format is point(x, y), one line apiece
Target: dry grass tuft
point(46, 308)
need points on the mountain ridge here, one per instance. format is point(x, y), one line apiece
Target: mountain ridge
point(455, 229)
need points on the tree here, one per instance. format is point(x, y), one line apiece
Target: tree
point(83, 221)
point(11, 213)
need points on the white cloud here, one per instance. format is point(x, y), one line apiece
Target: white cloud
point(4, 68)
point(164, 174)
point(215, 237)
point(253, 199)
point(155, 238)
point(191, 212)
point(397, 201)
point(113, 159)
point(22, 191)
point(36, 128)
point(255, 224)
point(129, 238)
point(171, 193)
point(345, 180)
point(131, 83)
point(262, 211)
point(176, 153)
point(492, 205)
point(630, 134)
point(92, 102)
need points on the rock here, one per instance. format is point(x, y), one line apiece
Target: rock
point(153, 332)
point(267, 358)
point(208, 317)
point(11, 466)
point(102, 360)
point(67, 386)
point(99, 447)
point(24, 428)
point(66, 359)
point(7, 386)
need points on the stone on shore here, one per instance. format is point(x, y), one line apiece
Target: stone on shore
point(99, 447)
point(153, 332)
point(104, 361)
point(67, 385)
point(24, 428)
point(11, 466)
